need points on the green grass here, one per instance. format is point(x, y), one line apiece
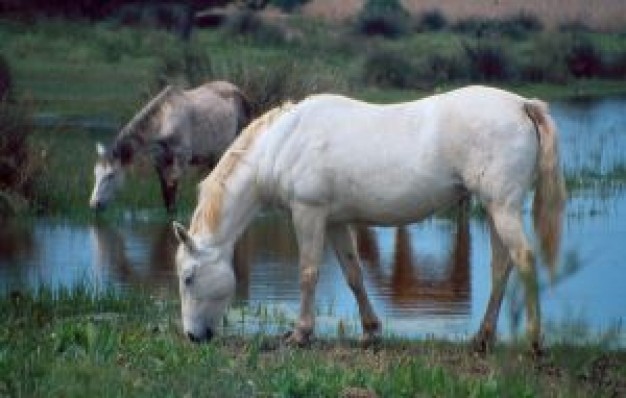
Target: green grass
point(78, 342)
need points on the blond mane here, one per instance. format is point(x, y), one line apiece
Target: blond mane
point(211, 189)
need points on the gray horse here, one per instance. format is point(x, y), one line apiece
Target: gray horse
point(177, 128)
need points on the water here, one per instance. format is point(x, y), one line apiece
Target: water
point(431, 278)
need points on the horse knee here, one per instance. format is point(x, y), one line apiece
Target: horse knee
point(525, 259)
point(308, 277)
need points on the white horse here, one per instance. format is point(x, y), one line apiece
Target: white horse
point(332, 161)
point(177, 128)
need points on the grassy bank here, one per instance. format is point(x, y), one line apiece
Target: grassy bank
point(76, 343)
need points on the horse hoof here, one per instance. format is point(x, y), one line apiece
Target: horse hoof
point(536, 351)
point(482, 344)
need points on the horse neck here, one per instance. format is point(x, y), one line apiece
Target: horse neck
point(240, 203)
point(126, 147)
point(141, 132)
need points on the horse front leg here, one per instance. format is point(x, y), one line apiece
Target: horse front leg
point(343, 242)
point(169, 187)
point(309, 224)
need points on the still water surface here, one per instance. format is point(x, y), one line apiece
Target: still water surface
point(431, 278)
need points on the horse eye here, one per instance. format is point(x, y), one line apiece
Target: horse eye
point(188, 280)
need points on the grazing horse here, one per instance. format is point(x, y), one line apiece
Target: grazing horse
point(332, 161)
point(177, 128)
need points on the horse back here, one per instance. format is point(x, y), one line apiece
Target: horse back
point(389, 163)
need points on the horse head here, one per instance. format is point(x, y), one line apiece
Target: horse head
point(109, 175)
point(206, 282)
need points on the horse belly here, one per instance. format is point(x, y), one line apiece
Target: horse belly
point(387, 199)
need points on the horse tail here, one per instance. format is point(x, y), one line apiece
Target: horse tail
point(550, 193)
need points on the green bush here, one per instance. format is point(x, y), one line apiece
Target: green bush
point(6, 81)
point(489, 61)
point(270, 85)
point(288, 5)
point(19, 165)
point(434, 69)
point(515, 27)
point(248, 24)
point(614, 66)
point(432, 20)
point(389, 68)
point(583, 58)
point(385, 18)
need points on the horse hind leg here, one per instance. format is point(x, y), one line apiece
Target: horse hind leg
point(343, 242)
point(507, 224)
point(500, 269)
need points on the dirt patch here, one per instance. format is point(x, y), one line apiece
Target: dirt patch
point(602, 374)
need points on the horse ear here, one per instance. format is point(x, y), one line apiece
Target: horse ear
point(183, 236)
point(101, 149)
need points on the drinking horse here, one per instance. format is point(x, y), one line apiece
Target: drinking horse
point(333, 162)
point(177, 128)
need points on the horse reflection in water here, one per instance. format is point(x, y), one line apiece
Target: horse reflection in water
point(116, 255)
point(410, 284)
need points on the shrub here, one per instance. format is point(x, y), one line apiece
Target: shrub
point(432, 20)
point(614, 66)
point(434, 69)
point(488, 61)
point(385, 18)
point(247, 23)
point(5, 79)
point(584, 59)
point(288, 5)
point(271, 84)
point(388, 68)
point(19, 165)
point(515, 27)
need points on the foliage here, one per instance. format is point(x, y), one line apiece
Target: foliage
point(249, 24)
point(488, 61)
point(432, 20)
point(19, 165)
point(583, 58)
point(515, 27)
point(288, 5)
point(385, 18)
point(6, 80)
point(387, 68)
